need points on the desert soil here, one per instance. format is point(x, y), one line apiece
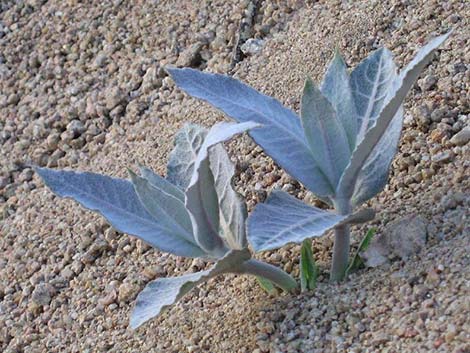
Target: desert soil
point(82, 86)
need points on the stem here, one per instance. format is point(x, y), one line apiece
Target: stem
point(270, 272)
point(340, 253)
point(340, 260)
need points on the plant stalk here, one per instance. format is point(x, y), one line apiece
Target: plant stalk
point(270, 272)
point(340, 260)
point(340, 253)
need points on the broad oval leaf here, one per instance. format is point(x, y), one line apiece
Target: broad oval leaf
point(165, 207)
point(401, 86)
point(283, 219)
point(336, 87)
point(188, 141)
point(232, 208)
point(117, 201)
point(201, 195)
point(160, 294)
point(371, 81)
point(281, 136)
point(324, 132)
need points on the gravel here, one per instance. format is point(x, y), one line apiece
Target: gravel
point(82, 86)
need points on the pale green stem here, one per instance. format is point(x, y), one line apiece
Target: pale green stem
point(270, 272)
point(340, 260)
point(340, 253)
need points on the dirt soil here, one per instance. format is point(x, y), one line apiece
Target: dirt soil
point(82, 86)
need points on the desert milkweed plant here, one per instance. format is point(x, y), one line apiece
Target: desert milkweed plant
point(340, 148)
point(193, 212)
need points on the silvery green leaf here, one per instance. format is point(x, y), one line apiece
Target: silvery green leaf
point(373, 177)
point(281, 135)
point(161, 183)
point(232, 208)
point(371, 81)
point(401, 86)
point(165, 207)
point(188, 140)
point(324, 132)
point(283, 219)
point(160, 294)
point(201, 195)
point(117, 201)
point(336, 87)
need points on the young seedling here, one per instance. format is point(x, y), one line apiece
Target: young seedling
point(194, 212)
point(267, 285)
point(308, 267)
point(356, 261)
point(341, 148)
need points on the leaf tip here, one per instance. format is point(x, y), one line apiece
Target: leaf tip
point(337, 56)
point(131, 173)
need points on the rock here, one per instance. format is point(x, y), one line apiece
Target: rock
point(428, 82)
point(4, 181)
point(114, 97)
point(42, 294)
point(109, 298)
point(26, 175)
point(375, 255)
point(438, 135)
point(52, 141)
point(408, 120)
point(100, 60)
point(191, 56)
point(462, 137)
point(402, 238)
point(438, 114)
point(95, 250)
point(76, 127)
point(442, 157)
point(13, 99)
point(252, 46)
point(151, 80)
point(126, 292)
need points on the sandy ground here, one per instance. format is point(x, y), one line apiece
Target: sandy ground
point(82, 87)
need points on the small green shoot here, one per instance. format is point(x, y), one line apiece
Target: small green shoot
point(267, 285)
point(357, 262)
point(308, 268)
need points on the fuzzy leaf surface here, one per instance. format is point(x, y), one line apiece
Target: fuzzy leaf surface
point(232, 208)
point(324, 132)
point(281, 135)
point(373, 177)
point(162, 205)
point(161, 183)
point(201, 195)
point(188, 141)
point(401, 86)
point(283, 219)
point(336, 87)
point(118, 202)
point(371, 82)
point(160, 294)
